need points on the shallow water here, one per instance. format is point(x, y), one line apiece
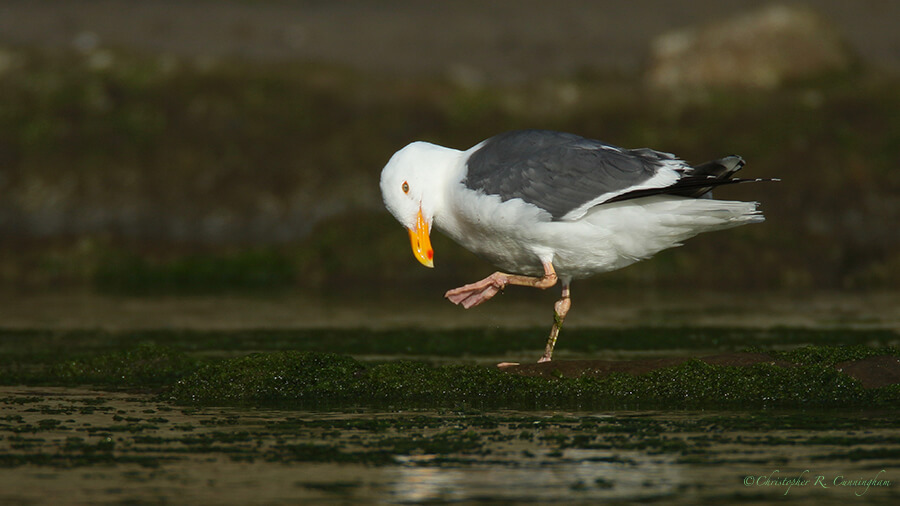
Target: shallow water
point(79, 446)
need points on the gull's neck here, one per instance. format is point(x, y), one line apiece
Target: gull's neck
point(447, 169)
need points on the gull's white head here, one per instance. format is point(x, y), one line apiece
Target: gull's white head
point(411, 189)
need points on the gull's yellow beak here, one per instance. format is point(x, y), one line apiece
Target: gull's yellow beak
point(421, 243)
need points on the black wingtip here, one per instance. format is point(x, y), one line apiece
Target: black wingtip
point(692, 186)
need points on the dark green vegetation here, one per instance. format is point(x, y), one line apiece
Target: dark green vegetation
point(299, 368)
point(316, 380)
point(131, 173)
point(145, 365)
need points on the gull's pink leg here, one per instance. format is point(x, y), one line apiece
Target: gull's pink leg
point(474, 294)
point(560, 310)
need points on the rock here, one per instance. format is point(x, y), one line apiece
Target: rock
point(873, 372)
point(759, 50)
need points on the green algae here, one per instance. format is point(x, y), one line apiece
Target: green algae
point(179, 365)
point(271, 378)
point(863, 454)
point(310, 452)
point(146, 365)
point(830, 355)
point(310, 379)
point(341, 487)
point(887, 395)
point(75, 460)
point(696, 382)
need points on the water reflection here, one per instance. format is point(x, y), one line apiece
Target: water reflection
point(57, 444)
point(579, 474)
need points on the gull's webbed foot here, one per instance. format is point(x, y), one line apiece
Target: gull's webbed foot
point(474, 294)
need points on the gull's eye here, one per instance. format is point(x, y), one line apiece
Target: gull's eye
point(405, 187)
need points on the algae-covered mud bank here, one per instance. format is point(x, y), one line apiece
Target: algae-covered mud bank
point(454, 369)
point(357, 416)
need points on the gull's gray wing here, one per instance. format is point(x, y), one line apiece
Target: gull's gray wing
point(560, 172)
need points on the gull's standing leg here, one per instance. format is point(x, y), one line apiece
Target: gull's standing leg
point(473, 294)
point(560, 310)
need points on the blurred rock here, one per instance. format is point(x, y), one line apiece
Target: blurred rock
point(761, 49)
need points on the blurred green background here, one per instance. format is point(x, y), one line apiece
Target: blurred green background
point(235, 147)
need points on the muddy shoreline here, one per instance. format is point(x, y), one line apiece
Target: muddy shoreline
point(424, 307)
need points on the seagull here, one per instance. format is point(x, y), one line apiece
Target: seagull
point(548, 207)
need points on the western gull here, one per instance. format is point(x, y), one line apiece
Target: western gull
point(547, 207)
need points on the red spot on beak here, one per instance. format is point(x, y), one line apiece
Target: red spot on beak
point(430, 254)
